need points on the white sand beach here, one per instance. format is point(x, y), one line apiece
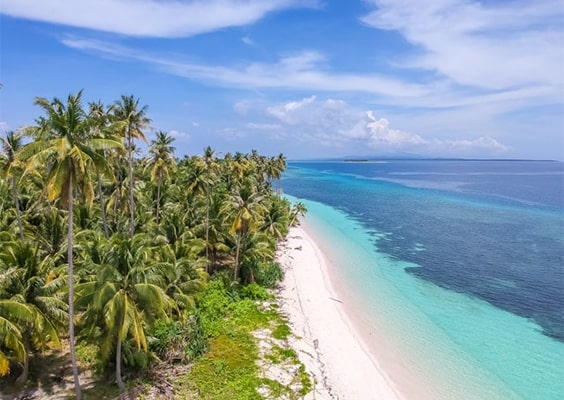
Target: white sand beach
point(327, 343)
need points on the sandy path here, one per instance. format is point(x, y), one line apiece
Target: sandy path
point(327, 344)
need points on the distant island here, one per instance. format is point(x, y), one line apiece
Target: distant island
point(365, 161)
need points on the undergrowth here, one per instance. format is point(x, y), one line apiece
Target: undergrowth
point(230, 369)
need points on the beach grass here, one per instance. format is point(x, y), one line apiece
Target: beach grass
point(249, 356)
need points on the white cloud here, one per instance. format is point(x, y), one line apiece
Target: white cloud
point(377, 133)
point(231, 133)
point(491, 45)
point(292, 113)
point(263, 127)
point(179, 135)
point(149, 18)
point(486, 143)
point(4, 126)
point(304, 70)
point(334, 123)
point(308, 70)
point(248, 41)
point(242, 107)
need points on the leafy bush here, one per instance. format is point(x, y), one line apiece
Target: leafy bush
point(254, 292)
point(88, 354)
point(268, 274)
point(282, 331)
point(198, 343)
point(166, 336)
point(179, 340)
point(213, 304)
point(228, 371)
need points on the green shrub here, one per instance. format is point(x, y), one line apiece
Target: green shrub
point(281, 332)
point(213, 305)
point(254, 292)
point(228, 371)
point(198, 343)
point(88, 354)
point(166, 338)
point(179, 340)
point(268, 274)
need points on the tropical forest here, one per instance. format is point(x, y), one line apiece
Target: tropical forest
point(127, 271)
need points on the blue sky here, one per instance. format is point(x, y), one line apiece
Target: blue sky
point(309, 78)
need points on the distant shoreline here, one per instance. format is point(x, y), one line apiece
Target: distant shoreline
point(388, 159)
point(366, 161)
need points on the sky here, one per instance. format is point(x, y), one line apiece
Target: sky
point(306, 78)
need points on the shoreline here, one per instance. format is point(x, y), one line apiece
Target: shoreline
point(408, 356)
point(327, 342)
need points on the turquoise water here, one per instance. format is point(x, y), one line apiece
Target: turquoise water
point(464, 335)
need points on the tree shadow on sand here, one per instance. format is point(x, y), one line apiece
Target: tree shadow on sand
point(50, 377)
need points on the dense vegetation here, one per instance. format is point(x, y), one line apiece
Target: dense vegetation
point(132, 260)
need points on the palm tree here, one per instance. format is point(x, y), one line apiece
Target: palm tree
point(277, 166)
point(183, 272)
point(134, 120)
point(118, 198)
point(4, 208)
point(211, 169)
point(12, 347)
point(65, 144)
point(162, 162)
point(50, 234)
point(244, 210)
point(298, 209)
point(256, 248)
point(11, 144)
point(281, 161)
point(102, 126)
point(125, 295)
point(276, 219)
point(27, 280)
point(236, 168)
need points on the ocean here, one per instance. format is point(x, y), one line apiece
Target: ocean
point(457, 268)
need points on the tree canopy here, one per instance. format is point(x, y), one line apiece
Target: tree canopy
point(137, 256)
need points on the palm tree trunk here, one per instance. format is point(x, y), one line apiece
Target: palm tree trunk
point(25, 373)
point(119, 381)
point(207, 223)
point(131, 199)
point(158, 201)
point(17, 204)
point(71, 295)
point(117, 197)
point(236, 269)
point(102, 207)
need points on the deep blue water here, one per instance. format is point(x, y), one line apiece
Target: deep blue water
point(493, 230)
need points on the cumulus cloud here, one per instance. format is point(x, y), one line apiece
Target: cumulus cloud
point(377, 133)
point(335, 123)
point(149, 18)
